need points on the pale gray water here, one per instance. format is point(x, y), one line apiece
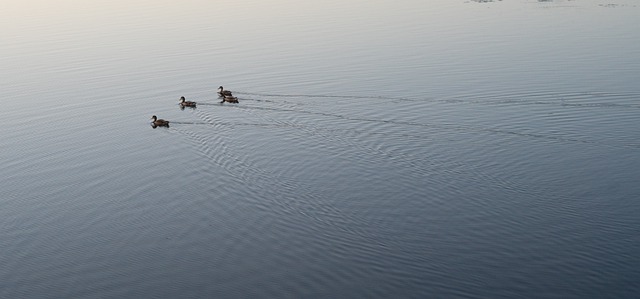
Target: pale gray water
point(380, 149)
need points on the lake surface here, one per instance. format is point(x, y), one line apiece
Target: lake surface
point(380, 149)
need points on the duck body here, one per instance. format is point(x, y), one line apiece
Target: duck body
point(229, 99)
point(185, 103)
point(156, 122)
point(222, 92)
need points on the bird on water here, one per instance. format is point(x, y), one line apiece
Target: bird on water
point(156, 122)
point(222, 92)
point(185, 103)
point(229, 99)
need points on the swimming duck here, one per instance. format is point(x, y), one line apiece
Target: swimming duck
point(159, 122)
point(185, 103)
point(223, 92)
point(229, 99)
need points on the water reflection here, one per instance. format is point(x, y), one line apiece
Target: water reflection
point(429, 149)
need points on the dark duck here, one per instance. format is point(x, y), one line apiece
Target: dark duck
point(156, 122)
point(185, 103)
point(222, 92)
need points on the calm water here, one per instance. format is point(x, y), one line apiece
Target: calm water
point(380, 149)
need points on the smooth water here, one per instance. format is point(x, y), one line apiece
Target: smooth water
point(380, 149)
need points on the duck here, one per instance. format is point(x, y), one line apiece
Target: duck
point(229, 99)
point(185, 103)
point(223, 92)
point(155, 122)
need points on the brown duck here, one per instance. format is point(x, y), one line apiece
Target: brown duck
point(223, 93)
point(185, 103)
point(229, 99)
point(159, 122)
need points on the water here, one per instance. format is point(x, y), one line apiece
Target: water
point(440, 149)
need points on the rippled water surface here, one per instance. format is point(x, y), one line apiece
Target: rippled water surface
point(380, 149)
